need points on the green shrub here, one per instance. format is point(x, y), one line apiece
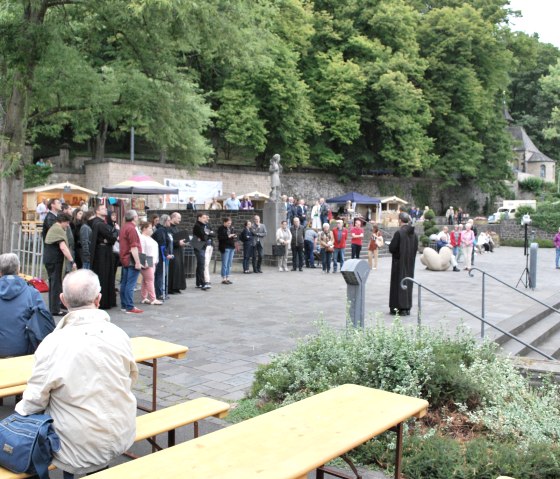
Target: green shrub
point(520, 243)
point(34, 175)
point(418, 362)
point(536, 185)
point(510, 408)
point(430, 227)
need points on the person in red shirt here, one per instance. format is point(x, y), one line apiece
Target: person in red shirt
point(357, 235)
point(340, 234)
point(130, 249)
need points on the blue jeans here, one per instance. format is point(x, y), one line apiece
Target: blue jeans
point(338, 258)
point(227, 259)
point(129, 277)
point(309, 256)
point(557, 257)
point(86, 265)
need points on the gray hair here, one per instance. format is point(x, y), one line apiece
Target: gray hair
point(164, 219)
point(404, 217)
point(9, 264)
point(130, 215)
point(80, 288)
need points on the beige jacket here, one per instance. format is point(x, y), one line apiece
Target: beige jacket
point(83, 374)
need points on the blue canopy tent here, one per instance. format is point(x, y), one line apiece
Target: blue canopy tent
point(354, 197)
point(357, 199)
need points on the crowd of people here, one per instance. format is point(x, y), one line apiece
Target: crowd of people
point(465, 242)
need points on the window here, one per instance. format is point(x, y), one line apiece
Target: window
point(543, 171)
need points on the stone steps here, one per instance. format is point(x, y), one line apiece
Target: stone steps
point(537, 326)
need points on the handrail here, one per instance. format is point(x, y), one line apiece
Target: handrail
point(484, 273)
point(481, 319)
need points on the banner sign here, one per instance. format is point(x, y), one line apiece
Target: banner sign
point(201, 191)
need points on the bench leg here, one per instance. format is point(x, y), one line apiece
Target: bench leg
point(195, 426)
point(171, 438)
point(398, 453)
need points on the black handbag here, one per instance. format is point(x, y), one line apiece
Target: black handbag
point(278, 249)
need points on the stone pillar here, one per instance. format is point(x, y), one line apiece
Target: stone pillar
point(273, 214)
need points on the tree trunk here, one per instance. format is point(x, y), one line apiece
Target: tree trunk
point(12, 163)
point(100, 140)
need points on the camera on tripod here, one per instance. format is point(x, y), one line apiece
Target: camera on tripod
point(526, 220)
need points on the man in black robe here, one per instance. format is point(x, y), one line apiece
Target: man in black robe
point(102, 259)
point(177, 280)
point(403, 248)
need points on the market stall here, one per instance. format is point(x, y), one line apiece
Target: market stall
point(68, 192)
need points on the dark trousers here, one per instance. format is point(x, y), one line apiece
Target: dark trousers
point(54, 272)
point(356, 248)
point(158, 279)
point(247, 255)
point(326, 258)
point(297, 257)
point(309, 258)
point(257, 256)
point(200, 257)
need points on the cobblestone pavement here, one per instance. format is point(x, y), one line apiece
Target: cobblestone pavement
point(232, 329)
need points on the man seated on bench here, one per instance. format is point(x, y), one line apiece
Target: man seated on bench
point(83, 375)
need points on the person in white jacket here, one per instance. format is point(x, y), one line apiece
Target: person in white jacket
point(83, 376)
point(151, 249)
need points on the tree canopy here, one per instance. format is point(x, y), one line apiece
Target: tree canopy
point(417, 87)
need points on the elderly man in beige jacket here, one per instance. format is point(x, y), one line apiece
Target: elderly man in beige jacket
point(83, 376)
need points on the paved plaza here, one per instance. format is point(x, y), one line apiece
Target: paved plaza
point(231, 329)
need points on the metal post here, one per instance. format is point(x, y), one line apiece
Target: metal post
point(419, 305)
point(132, 143)
point(483, 305)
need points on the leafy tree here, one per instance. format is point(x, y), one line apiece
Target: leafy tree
point(468, 67)
point(528, 105)
point(550, 85)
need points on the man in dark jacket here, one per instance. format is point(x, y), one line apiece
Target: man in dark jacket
point(202, 235)
point(165, 242)
point(18, 302)
point(297, 245)
point(54, 207)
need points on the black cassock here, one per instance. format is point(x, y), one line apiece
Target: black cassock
point(103, 261)
point(403, 248)
point(177, 279)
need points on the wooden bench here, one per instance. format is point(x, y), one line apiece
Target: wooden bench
point(286, 443)
point(164, 420)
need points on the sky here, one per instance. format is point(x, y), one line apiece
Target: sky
point(539, 16)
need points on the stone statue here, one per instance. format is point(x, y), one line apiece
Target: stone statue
point(275, 170)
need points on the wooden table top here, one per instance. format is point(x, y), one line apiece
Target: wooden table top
point(284, 444)
point(16, 371)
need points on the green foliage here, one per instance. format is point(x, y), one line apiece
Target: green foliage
point(34, 175)
point(414, 362)
point(248, 408)
point(510, 408)
point(430, 227)
point(537, 185)
point(439, 457)
point(547, 216)
point(520, 243)
point(421, 195)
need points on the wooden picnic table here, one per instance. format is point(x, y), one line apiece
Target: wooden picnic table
point(16, 371)
point(287, 443)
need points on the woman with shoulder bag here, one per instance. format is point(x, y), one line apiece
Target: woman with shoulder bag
point(375, 243)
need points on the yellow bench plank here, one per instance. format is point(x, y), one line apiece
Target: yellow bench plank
point(172, 417)
point(6, 392)
point(163, 420)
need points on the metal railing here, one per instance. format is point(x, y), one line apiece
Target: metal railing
point(27, 244)
point(480, 318)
